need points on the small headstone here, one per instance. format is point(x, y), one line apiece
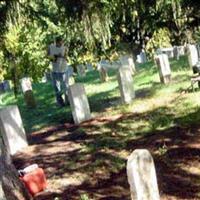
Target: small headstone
point(102, 72)
point(89, 67)
point(142, 176)
point(11, 129)
point(192, 55)
point(28, 93)
point(176, 53)
point(162, 62)
point(127, 62)
point(81, 70)
point(79, 103)
point(125, 82)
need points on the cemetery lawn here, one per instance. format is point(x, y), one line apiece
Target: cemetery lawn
point(89, 161)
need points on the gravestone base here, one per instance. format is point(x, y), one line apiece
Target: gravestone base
point(165, 79)
point(79, 103)
point(11, 129)
point(29, 99)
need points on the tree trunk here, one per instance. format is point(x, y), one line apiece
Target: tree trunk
point(12, 187)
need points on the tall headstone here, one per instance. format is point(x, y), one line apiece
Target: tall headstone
point(127, 62)
point(28, 92)
point(192, 55)
point(142, 176)
point(162, 62)
point(11, 129)
point(125, 82)
point(79, 103)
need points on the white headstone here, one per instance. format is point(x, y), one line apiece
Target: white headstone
point(79, 103)
point(164, 68)
point(142, 176)
point(125, 82)
point(192, 55)
point(11, 129)
point(26, 84)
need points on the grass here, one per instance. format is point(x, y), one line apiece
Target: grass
point(89, 162)
point(156, 105)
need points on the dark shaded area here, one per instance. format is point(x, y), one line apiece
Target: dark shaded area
point(67, 150)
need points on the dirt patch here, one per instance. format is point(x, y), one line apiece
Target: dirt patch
point(82, 162)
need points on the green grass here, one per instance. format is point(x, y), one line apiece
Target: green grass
point(156, 107)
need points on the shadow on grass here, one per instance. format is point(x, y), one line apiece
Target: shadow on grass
point(91, 160)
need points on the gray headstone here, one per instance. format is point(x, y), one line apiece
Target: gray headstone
point(162, 62)
point(125, 82)
point(176, 53)
point(142, 176)
point(81, 70)
point(192, 55)
point(11, 129)
point(89, 67)
point(127, 62)
point(102, 67)
point(79, 103)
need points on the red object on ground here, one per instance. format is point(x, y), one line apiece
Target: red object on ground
point(35, 181)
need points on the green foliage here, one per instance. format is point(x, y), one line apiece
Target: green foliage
point(160, 38)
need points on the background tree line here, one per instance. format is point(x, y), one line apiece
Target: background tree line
point(92, 30)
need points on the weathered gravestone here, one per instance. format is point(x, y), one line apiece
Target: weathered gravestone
point(28, 92)
point(127, 62)
point(192, 55)
point(11, 188)
point(81, 70)
point(142, 176)
point(79, 103)
point(11, 129)
point(162, 62)
point(176, 53)
point(102, 67)
point(89, 67)
point(125, 82)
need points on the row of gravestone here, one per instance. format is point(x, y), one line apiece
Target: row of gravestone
point(140, 166)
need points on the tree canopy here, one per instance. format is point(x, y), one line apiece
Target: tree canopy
point(91, 29)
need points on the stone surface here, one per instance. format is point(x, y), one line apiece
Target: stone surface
point(28, 93)
point(125, 82)
point(168, 51)
point(127, 62)
point(11, 129)
point(192, 55)
point(142, 176)
point(79, 103)
point(162, 62)
point(81, 70)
